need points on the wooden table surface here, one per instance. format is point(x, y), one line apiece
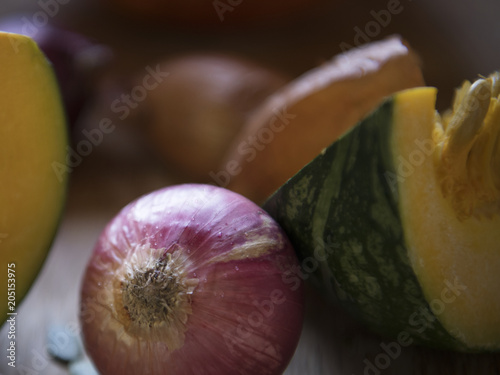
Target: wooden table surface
point(456, 40)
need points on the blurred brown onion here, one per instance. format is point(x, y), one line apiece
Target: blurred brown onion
point(192, 115)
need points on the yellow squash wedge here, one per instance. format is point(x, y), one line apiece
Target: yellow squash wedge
point(33, 138)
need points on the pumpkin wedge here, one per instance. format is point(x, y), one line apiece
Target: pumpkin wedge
point(32, 138)
point(399, 219)
point(309, 113)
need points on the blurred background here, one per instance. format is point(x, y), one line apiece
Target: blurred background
point(455, 40)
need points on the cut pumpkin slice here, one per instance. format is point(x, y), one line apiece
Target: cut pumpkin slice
point(309, 113)
point(399, 220)
point(33, 138)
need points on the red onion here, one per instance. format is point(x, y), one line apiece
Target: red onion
point(76, 59)
point(190, 279)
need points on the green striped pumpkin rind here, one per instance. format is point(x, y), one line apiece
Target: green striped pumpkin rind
point(341, 214)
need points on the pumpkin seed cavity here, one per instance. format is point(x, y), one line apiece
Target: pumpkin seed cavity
point(468, 141)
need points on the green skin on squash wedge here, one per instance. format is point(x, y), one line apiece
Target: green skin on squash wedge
point(399, 219)
point(33, 141)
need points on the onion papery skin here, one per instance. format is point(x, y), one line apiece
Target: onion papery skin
point(238, 315)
